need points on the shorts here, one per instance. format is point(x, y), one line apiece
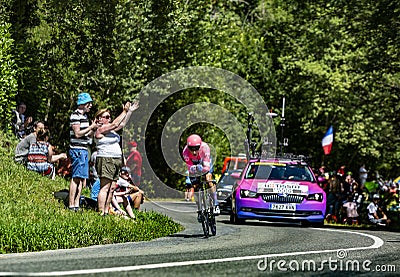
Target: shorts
point(108, 167)
point(189, 185)
point(195, 180)
point(79, 163)
point(131, 197)
point(94, 191)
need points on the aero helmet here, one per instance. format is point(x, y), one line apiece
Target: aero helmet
point(194, 140)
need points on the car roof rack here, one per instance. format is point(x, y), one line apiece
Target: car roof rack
point(293, 157)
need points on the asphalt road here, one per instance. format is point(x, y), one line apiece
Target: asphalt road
point(256, 248)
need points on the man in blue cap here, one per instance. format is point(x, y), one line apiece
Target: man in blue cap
point(81, 133)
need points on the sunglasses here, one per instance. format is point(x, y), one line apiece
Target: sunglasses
point(194, 148)
point(106, 117)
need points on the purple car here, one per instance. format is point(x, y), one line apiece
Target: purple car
point(278, 190)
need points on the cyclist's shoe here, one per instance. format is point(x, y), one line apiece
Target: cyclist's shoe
point(199, 217)
point(216, 210)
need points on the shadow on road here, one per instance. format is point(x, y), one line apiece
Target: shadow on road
point(186, 236)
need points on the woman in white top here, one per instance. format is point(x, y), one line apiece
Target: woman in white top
point(109, 153)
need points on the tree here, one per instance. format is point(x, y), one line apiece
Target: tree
point(8, 80)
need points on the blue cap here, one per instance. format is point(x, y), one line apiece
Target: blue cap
point(84, 98)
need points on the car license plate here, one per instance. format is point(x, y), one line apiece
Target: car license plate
point(283, 207)
point(277, 187)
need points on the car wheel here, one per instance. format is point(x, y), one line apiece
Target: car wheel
point(235, 220)
point(232, 218)
point(318, 224)
point(305, 224)
point(312, 224)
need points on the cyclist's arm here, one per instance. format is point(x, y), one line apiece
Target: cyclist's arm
point(186, 157)
point(206, 157)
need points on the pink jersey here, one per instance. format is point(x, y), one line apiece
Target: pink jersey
point(202, 157)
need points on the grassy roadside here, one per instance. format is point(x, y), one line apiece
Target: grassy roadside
point(33, 220)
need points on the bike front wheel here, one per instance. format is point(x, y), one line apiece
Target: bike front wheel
point(205, 224)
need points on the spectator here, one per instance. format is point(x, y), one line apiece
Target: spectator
point(323, 178)
point(95, 189)
point(358, 196)
point(93, 177)
point(376, 214)
point(127, 193)
point(81, 133)
point(22, 149)
point(363, 175)
point(64, 168)
point(333, 198)
point(134, 162)
point(392, 197)
point(41, 156)
point(341, 171)
point(109, 153)
point(20, 122)
point(189, 191)
point(351, 211)
point(347, 180)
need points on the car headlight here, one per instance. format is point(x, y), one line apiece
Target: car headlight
point(316, 197)
point(245, 193)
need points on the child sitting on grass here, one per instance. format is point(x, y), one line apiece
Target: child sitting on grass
point(127, 193)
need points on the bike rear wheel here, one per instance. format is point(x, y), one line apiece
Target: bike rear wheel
point(211, 215)
point(212, 223)
point(204, 213)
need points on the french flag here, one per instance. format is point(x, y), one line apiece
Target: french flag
point(327, 141)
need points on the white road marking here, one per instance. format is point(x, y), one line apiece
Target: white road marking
point(378, 242)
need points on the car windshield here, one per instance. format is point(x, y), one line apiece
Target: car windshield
point(273, 171)
point(227, 180)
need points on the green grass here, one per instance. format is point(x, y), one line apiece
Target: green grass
point(33, 220)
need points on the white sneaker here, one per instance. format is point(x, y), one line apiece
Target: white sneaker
point(216, 210)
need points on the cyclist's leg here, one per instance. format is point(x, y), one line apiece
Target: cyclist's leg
point(187, 193)
point(197, 198)
point(195, 180)
point(191, 193)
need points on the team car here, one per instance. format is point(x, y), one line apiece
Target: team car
point(278, 190)
point(224, 190)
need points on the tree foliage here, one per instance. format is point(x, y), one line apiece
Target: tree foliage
point(8, 78)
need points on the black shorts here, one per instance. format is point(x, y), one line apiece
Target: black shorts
point(189, 186)
point(196, 180)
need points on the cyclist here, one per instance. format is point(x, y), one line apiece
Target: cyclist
point(196, 154)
